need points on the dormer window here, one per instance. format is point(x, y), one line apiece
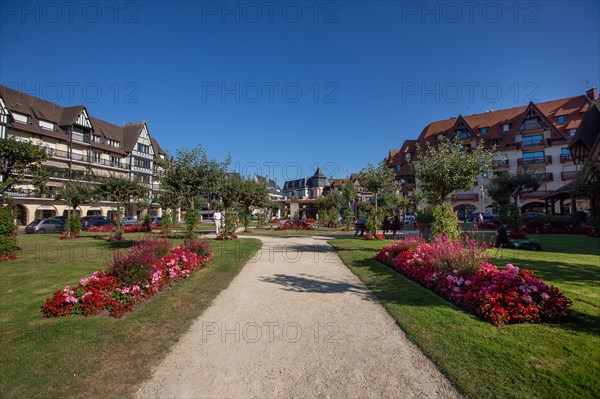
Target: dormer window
point(572, 132)
point(46, 125)
point(440, 137)
point(21, 118)
point(398, 168)
point(561, 119)
point(408, 155)
point(483, 131)
point(505, 127)
point(96, 139)
point(113, 143)
point(462, 134)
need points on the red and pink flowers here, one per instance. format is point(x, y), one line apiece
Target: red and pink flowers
point(499, 296)
point(295, 224)
point(147, 268)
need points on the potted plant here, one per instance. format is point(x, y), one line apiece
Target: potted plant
point(424, 221)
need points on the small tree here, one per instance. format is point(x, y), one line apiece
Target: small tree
point(192, 174)
point(8, 240)
point(329, 207)
point(505, 189)
point(587, 185)
point(380, 179)
point(253, 194)
point(443, 168)
point(74, 193)
point(121, 191)
point(19, 159)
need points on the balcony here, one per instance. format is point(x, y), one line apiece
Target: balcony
point(65, 155)
point(544, 176)
point(500, 163)
point(564, 158)
point(108, 162)
point(27, 193)
point(530, 125)
point(535, 161)
point(529, 144)
point(535, 195)
point(570, 175)
point(466, 197)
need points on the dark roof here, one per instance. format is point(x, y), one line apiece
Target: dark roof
point(38, 109)
point(586, 141)
point(272, 186)
point(156, 146)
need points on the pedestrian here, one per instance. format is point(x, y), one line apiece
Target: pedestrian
point(217, 216)
point(480, 218)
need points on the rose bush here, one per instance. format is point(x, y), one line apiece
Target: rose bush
point(295, 225)
point(499, 296)
point(147, 268)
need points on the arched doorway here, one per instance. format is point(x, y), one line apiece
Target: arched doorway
point(534, 207)
point(463, 211)
point(66, 211)
point(94, 211)
point(45, 212)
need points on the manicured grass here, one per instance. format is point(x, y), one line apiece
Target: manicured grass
point(322, 231)
point(94, 356)
point(517, 361)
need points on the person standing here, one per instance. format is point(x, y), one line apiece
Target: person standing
point(217, 216)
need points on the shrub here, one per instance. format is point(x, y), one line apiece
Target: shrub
point(425, 218)
point(74, 224)
point(147, 222)
point(348, 218)
point(198, 246)
point(510, 215)
point(465, 255)
point(166, 223)
point(192, 217)
point(445, 222)
point(295, 224)
point(135, 267)
point(8, 240)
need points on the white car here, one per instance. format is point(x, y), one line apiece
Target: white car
point(128, 221)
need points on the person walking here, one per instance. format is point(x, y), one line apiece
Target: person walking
point(217, 216)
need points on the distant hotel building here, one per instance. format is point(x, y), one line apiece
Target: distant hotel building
point(535, 136)
point(81, 148)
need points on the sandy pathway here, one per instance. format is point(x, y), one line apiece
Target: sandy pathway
point(295, 323)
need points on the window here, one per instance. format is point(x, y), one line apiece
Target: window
point(77, 136)
point(440, 137)
point(96, 156)
point(534, 157)
point(572, 132)
point(532, 141)
point(114, 161)
point(408, 155)
point(113, 143)
point(21, 118)
point(462, 134)
point(96, 139)
point(143, 148)
point(565, 155)
point(398, 168)
point(506, 127)
point(47, 125)
point(495, 141)
point(142, 163)
point(561, 119)
point(483, 131)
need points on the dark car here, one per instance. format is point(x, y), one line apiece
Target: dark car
point(45, 226)
point(95, 221)
point(532, 215)
point(156, 220)
point(61, 218)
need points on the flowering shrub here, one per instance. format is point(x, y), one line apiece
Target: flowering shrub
point(7, 257)
point(144, 270)
point(311, 220)
point(378, 236)
point(498, 296)
point(295, 225)
point(65, 236)
point(137, 228)
point(487, 225)
point(274, 220)
point(223, 236)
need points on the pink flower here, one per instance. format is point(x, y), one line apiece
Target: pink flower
point(545, 296)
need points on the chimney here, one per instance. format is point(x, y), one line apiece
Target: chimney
point(592, 94)
point(267, 179)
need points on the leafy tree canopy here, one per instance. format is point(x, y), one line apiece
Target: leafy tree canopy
point(16, 159)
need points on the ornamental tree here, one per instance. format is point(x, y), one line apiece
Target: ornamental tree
point(505, 189)
point(192, 174)
point(378, 179)
point(446, 166)
point(74, 193)
point(19, 159)
point(253, 194)
point(120, 190)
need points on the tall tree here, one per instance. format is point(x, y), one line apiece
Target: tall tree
point(74, 193)
point(121, 191)
point(192, 174)
point(446, 166)
point(506, 187)
point(19, 160)
point(252, 194)
point(348, 191)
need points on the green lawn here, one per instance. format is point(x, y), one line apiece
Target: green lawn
point(94, 356)
point(518, 361)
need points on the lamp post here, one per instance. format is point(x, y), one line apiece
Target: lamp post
point(482, 196)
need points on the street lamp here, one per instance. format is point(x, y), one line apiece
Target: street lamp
point(482, 196)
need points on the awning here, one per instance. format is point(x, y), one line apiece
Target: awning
point(61, 165)
point(112, 208)
point(101, 172)
point(54, 184)
point(78, 167)
point(45, 208)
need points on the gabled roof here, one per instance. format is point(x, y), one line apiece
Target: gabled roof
point(461, 122)
point(157, 148)
point(586, 142)
point(70, 114)
point(272, 186)
point(131, 132)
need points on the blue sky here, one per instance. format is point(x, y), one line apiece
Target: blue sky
point(283, 86)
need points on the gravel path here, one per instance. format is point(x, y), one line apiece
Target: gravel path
point(295, 323)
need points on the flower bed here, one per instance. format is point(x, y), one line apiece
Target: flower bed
point(311, 220)
point(461, 274)
point(133, 276)
point(223, 236)
point(7, 257)
point(138, 228)
point(379, 236)
point(518, 234)
point(295, 225)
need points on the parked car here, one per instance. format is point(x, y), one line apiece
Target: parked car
point(61, 218)
point(157, 220)
point(45, 226)
point(95, 221)
point(129, 221)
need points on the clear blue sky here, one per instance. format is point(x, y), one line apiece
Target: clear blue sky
point(371, 74)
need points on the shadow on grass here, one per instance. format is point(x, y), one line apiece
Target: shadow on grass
point(555, 271)
point(313, 284)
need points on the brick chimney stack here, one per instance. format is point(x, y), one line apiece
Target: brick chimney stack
point(267, 179)
point(592, 93)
